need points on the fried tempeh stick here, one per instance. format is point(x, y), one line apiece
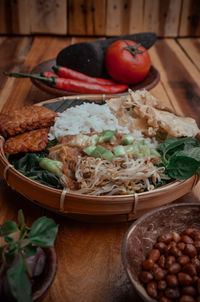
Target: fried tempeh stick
point(26, 119)
point(31, 141)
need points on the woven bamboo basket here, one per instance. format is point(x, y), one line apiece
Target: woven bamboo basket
point(92, 208)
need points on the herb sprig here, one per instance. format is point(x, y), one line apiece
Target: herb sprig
point(18, 241)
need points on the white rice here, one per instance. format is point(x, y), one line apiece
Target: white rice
point(85, 118)
point(89, 118)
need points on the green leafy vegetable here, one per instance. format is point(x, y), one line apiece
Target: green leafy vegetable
point(29, 165)
point(18, 282)
point(181, 156)
point(43, 232)
point(8, 228)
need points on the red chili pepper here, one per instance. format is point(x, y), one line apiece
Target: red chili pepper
point(68, 73)
point(73, 85)
point(48, 74)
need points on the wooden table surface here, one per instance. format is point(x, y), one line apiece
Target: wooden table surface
point(89, 255)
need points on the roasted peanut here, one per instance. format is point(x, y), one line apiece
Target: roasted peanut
point(190, 269)
point(186, 239)
point(174, 268)
point(188, 231)
point(196, 235)
point(152, 289)
point(186, 298)
point(175, 251)
point(197, 245)
point(185, 279)
point(169, 261)
point(166, 238)
point(190, 250)
point(183, 259)
point(172, 281)
point(180, 245)
point(161, 246)
point(172, 293)
point(154, 255)
point(159, 273)
point(172, 243)
point(161, 261)
point(176, 237)
point(165, 299)
point(162, 284)
point(189, 290)
point(148, 264)
point(146, 277)
point(196, 263)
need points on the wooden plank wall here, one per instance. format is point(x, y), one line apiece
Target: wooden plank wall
point(168, 18)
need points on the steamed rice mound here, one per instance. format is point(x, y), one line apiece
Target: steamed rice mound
point(85, 118)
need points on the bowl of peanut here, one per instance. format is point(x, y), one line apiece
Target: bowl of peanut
point(161, 254)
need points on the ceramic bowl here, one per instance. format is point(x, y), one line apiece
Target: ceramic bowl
point(143, 233)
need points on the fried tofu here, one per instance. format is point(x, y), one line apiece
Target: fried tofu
point(26, 119)
point(31, 141)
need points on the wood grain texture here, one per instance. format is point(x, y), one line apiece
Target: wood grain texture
point(13, 51)
point(162, 17)
point(43, 48)
point(191, 48)
point(117, 17)
point(15, 17)
point(48, 16)
point(190, 18)
point(86, 17)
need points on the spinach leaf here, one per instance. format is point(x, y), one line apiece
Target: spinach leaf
point(180, 156)
point(182, 167)
point(28, 164)
point(174, 144)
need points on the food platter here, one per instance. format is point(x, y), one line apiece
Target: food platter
point(148, 83)
point(86, 207)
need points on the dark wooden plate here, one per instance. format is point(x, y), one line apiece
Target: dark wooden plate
point(148, 83)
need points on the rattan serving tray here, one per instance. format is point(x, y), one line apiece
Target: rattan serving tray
point(85, 207)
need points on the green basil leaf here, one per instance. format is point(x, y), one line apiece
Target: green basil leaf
point(43, 232)
point(9, 227)
point(19, 283)
point(182, 167)
point(30, 250)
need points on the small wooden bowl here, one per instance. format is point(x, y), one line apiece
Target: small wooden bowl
point(44, 281)
point(143, 234)
point(118, 208)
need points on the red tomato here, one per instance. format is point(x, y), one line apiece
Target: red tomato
point(127, 62)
